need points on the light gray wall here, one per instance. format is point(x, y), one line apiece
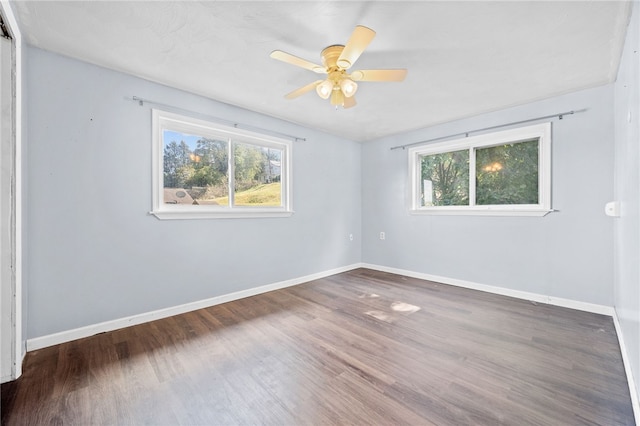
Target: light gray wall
point(93, 252)
point(567, 254)
point(627, 191)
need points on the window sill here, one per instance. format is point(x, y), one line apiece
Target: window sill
point(443, 211)
point(235, 214)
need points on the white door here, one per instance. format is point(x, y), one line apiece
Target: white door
point(7, 235)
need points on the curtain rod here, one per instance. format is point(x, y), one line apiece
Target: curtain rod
point(142, 101)
point(466, 134)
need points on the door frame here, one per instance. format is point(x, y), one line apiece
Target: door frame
point(15, 198)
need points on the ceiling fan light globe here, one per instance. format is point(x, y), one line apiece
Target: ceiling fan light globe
point(349, 87)
point(324, 89)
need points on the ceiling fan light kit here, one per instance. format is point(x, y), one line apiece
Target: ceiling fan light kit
point(339, 85)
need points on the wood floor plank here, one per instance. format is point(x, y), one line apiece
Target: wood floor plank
point(362, 347)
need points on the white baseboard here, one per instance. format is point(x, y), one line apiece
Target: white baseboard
point(627, 368)
point(90, 330)
point(535, 297)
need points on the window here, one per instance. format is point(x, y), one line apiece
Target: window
point(503, 173)
point(205, 170)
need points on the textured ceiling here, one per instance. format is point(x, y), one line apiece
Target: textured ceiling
point(464, 58)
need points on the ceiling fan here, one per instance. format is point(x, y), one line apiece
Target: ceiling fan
point(339, 85)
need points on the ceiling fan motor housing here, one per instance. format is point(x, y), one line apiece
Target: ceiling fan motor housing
point(330, 56)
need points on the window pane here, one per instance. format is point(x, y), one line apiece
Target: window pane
point(507, 174)
point(445, 179)
point(195, 169)
point(257, 175)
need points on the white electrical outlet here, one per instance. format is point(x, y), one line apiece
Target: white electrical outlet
point(350, 237)
point(382, 236)
point(612, 209)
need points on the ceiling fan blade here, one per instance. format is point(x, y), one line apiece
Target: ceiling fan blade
point(349, 102)
point(299, 62)
point(304, 89)
point(359, 40)
point(379, 75)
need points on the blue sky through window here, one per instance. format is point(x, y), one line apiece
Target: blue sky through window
point(170, 136)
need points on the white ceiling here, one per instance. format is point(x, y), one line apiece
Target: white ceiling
point(464, 58)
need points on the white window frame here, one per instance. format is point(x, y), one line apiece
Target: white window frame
point(542, 132)
point(163, 120)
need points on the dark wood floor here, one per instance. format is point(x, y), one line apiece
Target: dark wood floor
point(362, 347)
